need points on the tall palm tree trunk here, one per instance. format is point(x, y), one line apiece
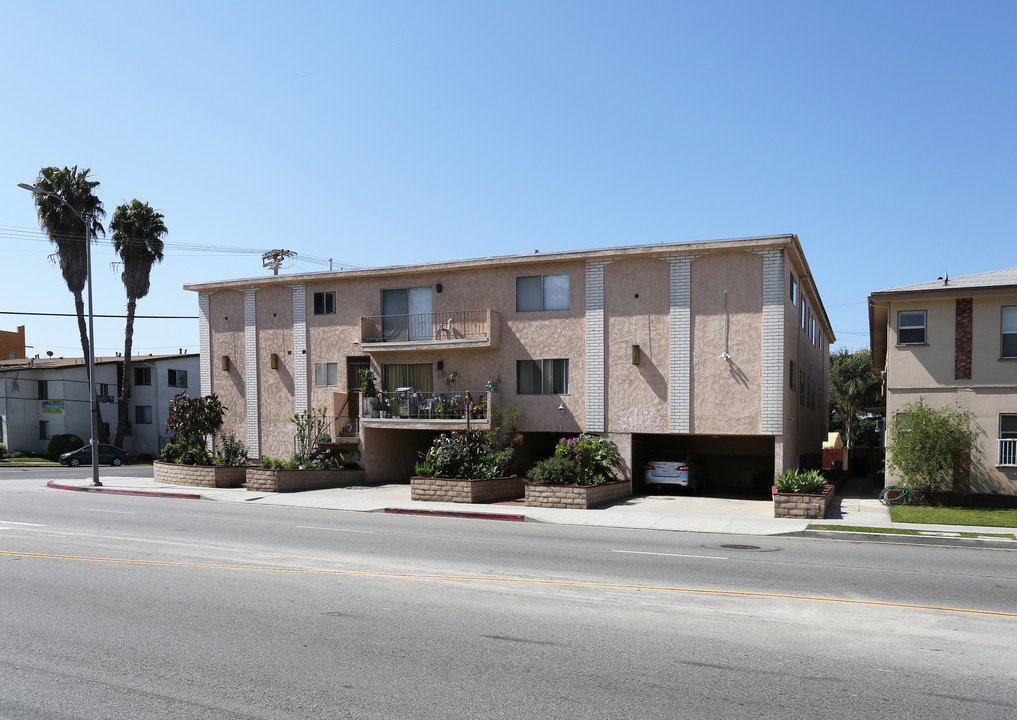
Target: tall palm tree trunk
point(79, 307)
point(125, 377)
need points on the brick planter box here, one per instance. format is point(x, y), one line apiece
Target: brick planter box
point(211, 476)
point(267, 480)
point(576, 496)
point(801, 505)
point(481, 490)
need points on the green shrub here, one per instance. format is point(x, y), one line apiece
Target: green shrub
point(59, 444)
point(464, 455)
point(555, 471)
point(230, 451)
point(800, 481)
point(191, 421)
point(3, 451)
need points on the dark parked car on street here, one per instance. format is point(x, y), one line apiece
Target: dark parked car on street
point(108, 454)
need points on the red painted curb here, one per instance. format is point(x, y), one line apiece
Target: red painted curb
point(117, 491)
point(457, 513)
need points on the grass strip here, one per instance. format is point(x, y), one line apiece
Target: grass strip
point(948, 515)
point(904, 531)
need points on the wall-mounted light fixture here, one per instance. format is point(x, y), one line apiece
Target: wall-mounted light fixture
point(438, 287)
point(440, 365)
point(561, 407)
point(635, 354)
point(226, 362)
point(273, 361)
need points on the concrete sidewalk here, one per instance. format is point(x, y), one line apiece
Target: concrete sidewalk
point(855, 505)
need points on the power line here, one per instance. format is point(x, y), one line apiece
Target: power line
point(123, 317)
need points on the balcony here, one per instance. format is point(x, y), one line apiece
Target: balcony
point(448, 330)
point(411, 409)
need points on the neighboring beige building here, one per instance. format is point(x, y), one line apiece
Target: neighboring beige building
point(719, 348)
point(954, 342)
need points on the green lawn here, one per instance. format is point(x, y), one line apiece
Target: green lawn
point(27, 461)
point(986, 517)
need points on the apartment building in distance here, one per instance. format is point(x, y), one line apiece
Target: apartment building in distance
point(12, 344)
point(718, 348)
point(953, 342)
point(43, 397)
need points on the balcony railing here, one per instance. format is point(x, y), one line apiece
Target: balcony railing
point(1007, 456)
point(342, 426)
point(410, 404)
point(442, 327)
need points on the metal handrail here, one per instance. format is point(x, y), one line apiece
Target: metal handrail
point(419, 405)
point(426, 327)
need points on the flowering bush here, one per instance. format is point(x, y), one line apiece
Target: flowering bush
point(582, 460)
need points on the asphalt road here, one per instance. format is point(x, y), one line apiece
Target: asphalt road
point(127, 607)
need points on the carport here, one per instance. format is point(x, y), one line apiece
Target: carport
point(739, 465)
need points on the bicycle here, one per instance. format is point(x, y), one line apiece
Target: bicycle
point(900, 495)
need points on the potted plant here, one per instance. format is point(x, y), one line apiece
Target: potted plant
point(580, 474)
point(368, 391)
point(801, 494)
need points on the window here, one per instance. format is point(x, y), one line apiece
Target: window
point(103, 389)
point(1009, 332)
point(542, 377)
point(326, 374)
point(791, 379)
point(419, 376)
point(43, 389)
point(44, 429)
point(542, 292)
point(324, 303)
point(143, 414)
point(801, 387)
point(804, 314)
point(407, 314)
point(794, 290)
point(911, 327)
point(1007, 441)
point(178, 378)
point(142, 376)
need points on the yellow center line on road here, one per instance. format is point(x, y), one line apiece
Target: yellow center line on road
point(516, 581)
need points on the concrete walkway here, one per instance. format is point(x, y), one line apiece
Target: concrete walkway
point(856, 505)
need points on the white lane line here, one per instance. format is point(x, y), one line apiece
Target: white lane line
point(115, 512)
point(700, 557)
point(314, 527)
point(11, 522)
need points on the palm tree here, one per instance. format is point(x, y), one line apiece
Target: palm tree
point(854, 390)
point(137, 237)
point(66, 231)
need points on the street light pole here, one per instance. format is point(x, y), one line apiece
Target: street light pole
point(93, 400)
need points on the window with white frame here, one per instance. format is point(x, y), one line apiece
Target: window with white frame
point(804, 314)
point(177, 378)
point(542, 377)
point(542, 292)
point(911, 327)
point(143, 414)
point(326, 374)
point(324, 302)
point(1008, 342)
point(1007, 441)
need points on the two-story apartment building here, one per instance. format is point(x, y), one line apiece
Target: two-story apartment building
point(953, 342)
point(716, 348)
point(43, 397)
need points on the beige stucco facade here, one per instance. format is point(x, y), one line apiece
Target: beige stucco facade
point(715, 324)
point(959, 362)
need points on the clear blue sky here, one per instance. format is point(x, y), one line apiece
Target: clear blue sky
point(379, 133)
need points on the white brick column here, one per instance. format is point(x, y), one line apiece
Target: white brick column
point(205, 343)
point(773, 341)
point(251, 372)
point(300, 388)
point(680, 350)
point(596, 396)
